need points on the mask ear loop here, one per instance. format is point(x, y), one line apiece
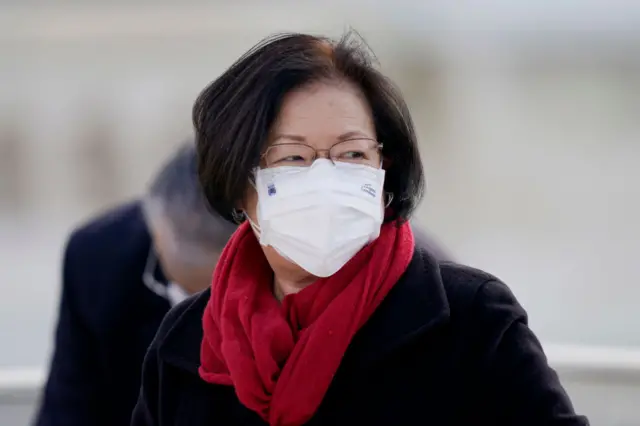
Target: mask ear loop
point(238, 215)
point(389, 196)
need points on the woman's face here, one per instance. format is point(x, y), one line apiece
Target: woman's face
point(318, 115)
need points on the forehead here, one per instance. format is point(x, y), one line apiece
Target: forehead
point(320, 113)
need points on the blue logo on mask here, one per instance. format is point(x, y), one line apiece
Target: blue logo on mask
point(369, 189)
point(271, 190)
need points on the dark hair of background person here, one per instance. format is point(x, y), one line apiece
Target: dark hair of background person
point(235, 113)
point(175, 197)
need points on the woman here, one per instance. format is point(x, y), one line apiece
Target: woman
point(321, 311)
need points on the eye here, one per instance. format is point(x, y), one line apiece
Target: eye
point(291, 159)
point(353, 155)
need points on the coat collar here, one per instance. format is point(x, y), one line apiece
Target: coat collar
point(416, 304)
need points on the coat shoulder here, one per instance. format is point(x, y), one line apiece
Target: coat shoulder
point(473, 291)
point(113, 242)
point(106, 228)
point(463, 283)
point(103, 263)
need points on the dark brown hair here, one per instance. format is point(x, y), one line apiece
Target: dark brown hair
point(234, 114)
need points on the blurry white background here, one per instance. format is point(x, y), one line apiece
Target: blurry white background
point(527, 113)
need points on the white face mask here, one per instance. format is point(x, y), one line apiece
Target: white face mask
point(319, 216)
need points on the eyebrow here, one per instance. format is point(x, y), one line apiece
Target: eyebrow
point(342, 137)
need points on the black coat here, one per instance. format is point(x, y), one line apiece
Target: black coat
point(107, 319)
point(449, 345)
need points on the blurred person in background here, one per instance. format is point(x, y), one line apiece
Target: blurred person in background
point(122, 272)
point(322, 311)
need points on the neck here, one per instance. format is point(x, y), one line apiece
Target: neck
point(283, 286)
point(191, 281)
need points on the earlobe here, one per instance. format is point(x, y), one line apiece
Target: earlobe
point(238, 215)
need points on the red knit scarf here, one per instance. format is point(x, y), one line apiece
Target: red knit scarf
point(281, 358)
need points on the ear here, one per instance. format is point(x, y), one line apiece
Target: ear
point(238, 216)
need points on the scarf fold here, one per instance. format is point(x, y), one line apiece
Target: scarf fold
point(281, 358)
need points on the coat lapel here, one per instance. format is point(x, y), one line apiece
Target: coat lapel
point(414, 306)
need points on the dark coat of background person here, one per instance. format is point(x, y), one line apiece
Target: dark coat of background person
point(449, 345)
point(122, 271)
point(107, 318)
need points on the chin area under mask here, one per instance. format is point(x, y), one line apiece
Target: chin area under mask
point(320, 265)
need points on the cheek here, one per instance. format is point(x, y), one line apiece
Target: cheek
point(250, 204)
